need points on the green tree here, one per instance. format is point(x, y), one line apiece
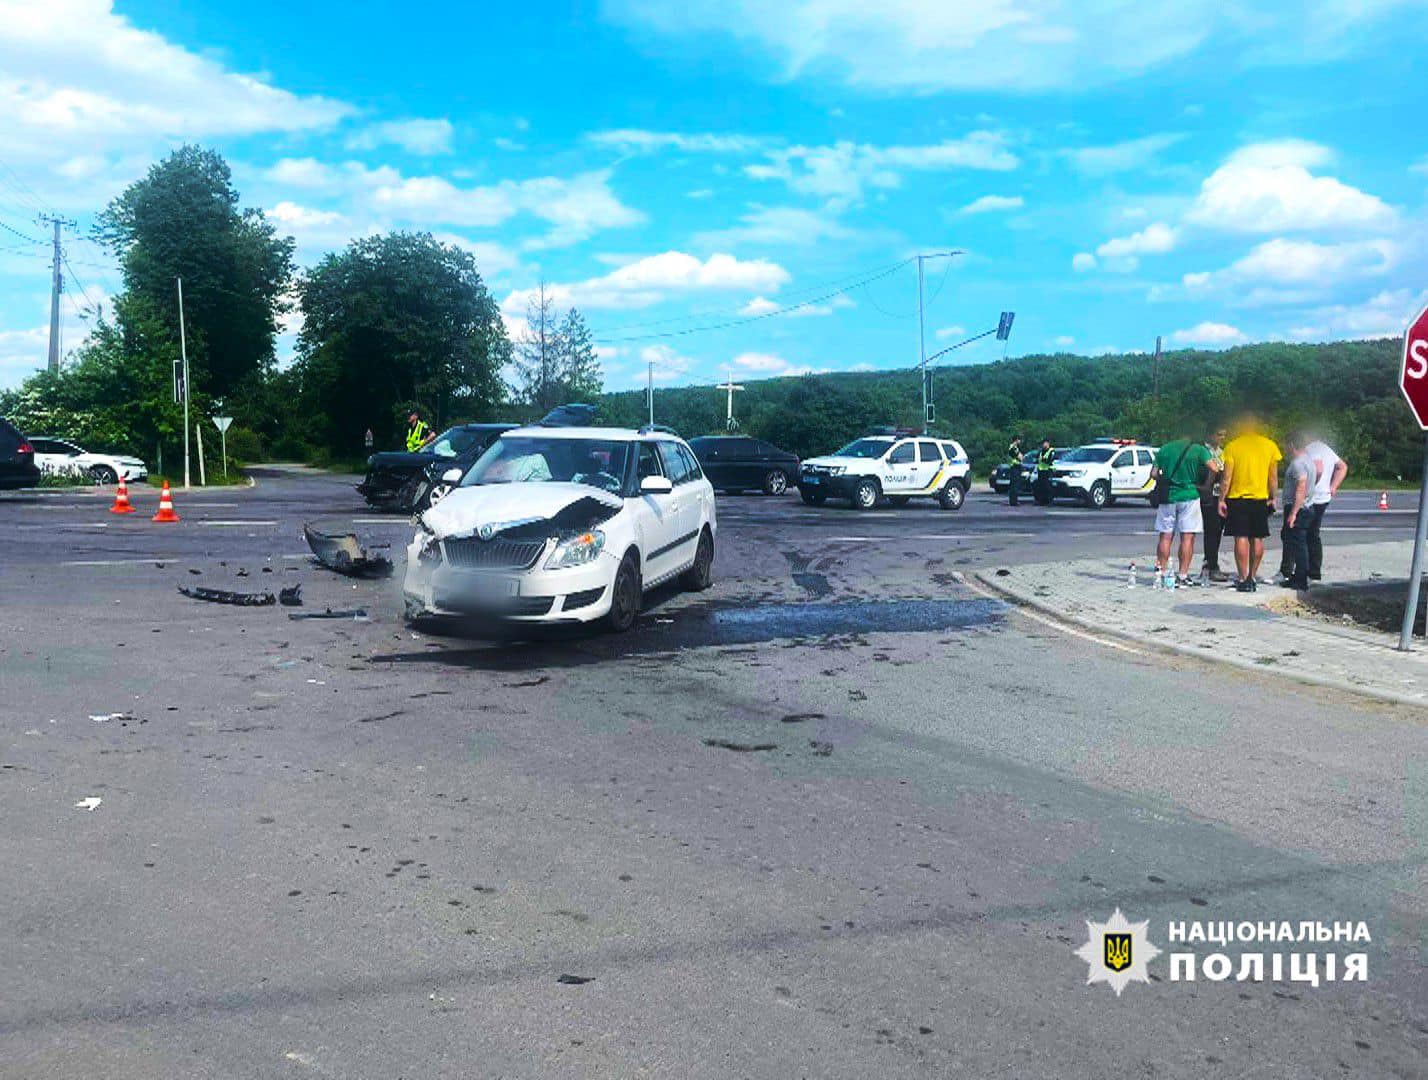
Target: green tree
point(182, 220)
point(394, 321)
point(579, 371)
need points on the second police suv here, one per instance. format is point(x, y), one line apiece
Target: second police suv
point(892, 466)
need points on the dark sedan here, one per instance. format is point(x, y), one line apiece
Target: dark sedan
point(17, 458)
point(411, 482)
point(735, 463)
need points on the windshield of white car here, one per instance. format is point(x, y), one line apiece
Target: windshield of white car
point(453, 442)
point(864, 448)
point(600, 463)
point(1087, 453)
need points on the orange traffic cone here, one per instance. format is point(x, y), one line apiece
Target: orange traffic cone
point(166, 506)
point(122, 505)
point(1383, 500)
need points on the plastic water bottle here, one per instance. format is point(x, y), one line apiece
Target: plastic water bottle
point(1170, 579)
point(1157, 579)
point(1130, 584)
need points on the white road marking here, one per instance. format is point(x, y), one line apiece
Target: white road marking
point(235, 524)
point(122, 562)
point(403, 522)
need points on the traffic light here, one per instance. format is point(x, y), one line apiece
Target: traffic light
point(931, 413)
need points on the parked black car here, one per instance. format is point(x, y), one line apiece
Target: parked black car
point(17, 458)
point(411, 482)
point(737, 463)
point(998, 479)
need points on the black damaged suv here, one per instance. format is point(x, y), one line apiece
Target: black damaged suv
point(410, 482)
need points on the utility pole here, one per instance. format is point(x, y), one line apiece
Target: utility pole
point(650, 384)
point(56, 287)
point(183, 352)
point(1155, 371)
point(730, 424)
point(921, 330)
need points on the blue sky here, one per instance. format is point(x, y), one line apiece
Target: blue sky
point(1110, 171)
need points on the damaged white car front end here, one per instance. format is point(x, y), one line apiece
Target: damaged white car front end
point(530, 552)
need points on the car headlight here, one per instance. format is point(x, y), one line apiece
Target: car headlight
point(1074, 474)
point(430, 549)
point(576, 550)
point(837, 470)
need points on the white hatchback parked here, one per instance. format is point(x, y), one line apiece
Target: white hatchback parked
point(565, 524)
point(57, 457)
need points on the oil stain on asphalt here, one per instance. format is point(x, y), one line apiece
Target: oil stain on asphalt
point(717, 624)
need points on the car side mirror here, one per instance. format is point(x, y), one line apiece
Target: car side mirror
point(656, 485)
point(451, 476)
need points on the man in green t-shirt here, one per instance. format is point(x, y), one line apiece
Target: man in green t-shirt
point(1181, 462)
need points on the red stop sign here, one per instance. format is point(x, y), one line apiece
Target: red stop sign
point(1413, 375)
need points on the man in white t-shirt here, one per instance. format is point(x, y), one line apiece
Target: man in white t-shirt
point(1330, 470)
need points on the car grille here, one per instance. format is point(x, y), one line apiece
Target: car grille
point(470, 553)
point(818, 470)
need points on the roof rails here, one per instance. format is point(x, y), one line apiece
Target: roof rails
point(573, 415)
point(1112, 440)
point(662, 428)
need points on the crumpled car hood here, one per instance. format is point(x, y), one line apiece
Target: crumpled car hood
point(467, 509)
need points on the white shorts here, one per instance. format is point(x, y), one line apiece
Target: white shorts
point(1179, 517)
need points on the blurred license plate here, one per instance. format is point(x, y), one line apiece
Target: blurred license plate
point(495, 587)
point(811, 480)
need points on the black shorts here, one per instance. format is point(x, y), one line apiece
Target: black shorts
point(1247, 517)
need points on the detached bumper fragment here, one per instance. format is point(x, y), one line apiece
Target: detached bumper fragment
point(341, 552)
point(225, 596)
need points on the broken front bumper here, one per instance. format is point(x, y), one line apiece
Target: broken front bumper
point(572, 594)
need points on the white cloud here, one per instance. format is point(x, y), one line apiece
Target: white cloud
point(1121, 156)
point(1064, 341)
point(1212, 334)
point(1420, 166)
point(1025, 45)
point(989, 204)
point(844, 170)
point(1385, 314)
point(776, 226)
point(652, 279)
point(77, 74)
point(1301, 264)
point(292, 216)
point(492, 259)
point(416, 136)
point(1267, 187)
point(1083, 261)
point(668, 364)
point(769, 364)
point(950, 332)
point(638, 141)
point(759, 306)
point(575, 208)
point(1156, 239)
point(1017, 45)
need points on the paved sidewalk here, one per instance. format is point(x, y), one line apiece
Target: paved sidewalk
point(1266, 631)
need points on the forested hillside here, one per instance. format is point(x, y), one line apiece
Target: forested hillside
point(1349, 389)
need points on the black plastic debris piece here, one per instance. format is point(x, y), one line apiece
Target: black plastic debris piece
point(740, 747)
point(291, 596)
point(342, 552)
point(225, 596)
point(575, 980)
point(821, 749)
point(329, 613)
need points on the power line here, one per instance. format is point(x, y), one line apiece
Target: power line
point(22, 236)
point(761, 316)
point(85, 291)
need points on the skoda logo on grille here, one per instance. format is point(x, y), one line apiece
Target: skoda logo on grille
point(486, 532)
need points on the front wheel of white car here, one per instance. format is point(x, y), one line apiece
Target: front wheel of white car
point(952, 496)
point(625, 595)
point(865, 495)
point(701, 575)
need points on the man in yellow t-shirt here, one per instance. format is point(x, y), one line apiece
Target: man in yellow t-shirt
point(1247, 496)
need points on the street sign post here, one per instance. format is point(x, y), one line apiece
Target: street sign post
point(1413, 381)
point(221, 423)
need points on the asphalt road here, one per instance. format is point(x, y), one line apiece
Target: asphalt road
point(339, 848)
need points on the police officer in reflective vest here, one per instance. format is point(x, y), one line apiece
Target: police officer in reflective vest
point(418, 432)
point(1041, 488)
point(1013, 469)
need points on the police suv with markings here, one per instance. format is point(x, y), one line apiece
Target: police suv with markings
point(892, 467)
point(1103, 471)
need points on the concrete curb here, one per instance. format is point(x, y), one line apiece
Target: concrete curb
point(988, 579)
